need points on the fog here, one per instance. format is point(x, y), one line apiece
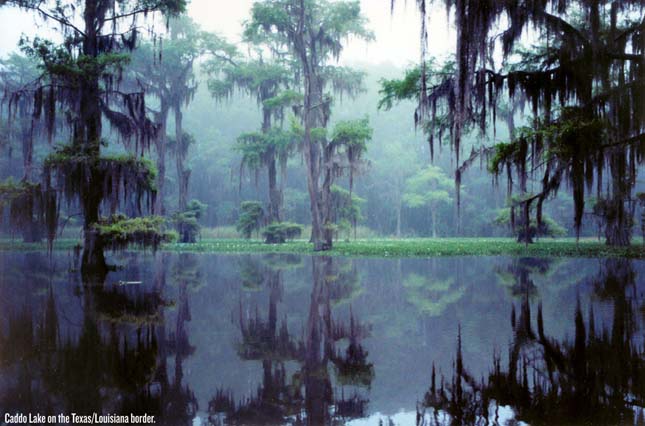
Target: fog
point(399, 187)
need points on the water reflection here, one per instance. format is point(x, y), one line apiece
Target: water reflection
point(111, 361)
point(286, 339)
point(595, 377)
point(302, 393)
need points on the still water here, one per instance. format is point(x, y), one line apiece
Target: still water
point(203, 339)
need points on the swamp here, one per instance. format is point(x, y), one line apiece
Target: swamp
point(322, 212)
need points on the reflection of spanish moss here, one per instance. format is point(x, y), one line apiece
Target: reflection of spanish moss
point(261, 338)
point(322, 333)
point(518, 274)
point(128, 304)
point(178, 402)
point(222, 402)
point(107, 367)
point(354, 407)
point(594, 378)
point(343, 281)
point(354, 332)
point(352, 368)
point(305, 396)
point(263, 341)
point(274, 401)
point(250, 273)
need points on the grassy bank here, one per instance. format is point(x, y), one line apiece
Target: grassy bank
point(414, 247)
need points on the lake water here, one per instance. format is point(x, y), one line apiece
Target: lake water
point(284, 339)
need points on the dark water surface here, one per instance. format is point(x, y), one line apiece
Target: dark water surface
point(283, 339)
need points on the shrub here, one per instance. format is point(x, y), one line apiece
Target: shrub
point(279, 232)
point(186, 222)
point(118, 232)
point(549, 227)
point(251, 216)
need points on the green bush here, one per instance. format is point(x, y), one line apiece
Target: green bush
point(279, 232)
point(549, 227)
point(118, 231)
point(186, 223)
point(251, 216)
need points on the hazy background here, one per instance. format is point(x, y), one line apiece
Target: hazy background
point(397, 34)
point(396, 154)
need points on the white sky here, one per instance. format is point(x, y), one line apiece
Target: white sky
point(397, 35)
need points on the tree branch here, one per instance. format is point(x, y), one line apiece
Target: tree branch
point(48, 15)
point(146, 9)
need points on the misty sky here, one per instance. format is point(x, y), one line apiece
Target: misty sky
point(397, 35)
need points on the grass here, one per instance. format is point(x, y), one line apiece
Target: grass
point(413, 247)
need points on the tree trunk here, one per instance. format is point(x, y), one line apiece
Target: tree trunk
point(28, 151)
point(318, 345)
point(313, 117)
point(618, 219)
point(93, 260)
point(32, 229)
point(87, 137)
point(326, 202)
point(433, 211)
point(161, 143)
point(312, 155)
point(274, 192)
point(183, 175)
point(399, 207)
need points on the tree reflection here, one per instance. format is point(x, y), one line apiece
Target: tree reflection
point(518, 274)
point(299, 375)
point(108, 363)
point(597, 377)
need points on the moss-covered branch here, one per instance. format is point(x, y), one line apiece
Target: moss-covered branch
point(119, 176)
point(119, 232)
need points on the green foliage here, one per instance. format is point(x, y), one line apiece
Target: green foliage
point(10, 190)
point(280, 232)
point(186, 141)
point(438, 76)
point(58, 61)
point(351, 137)
point(256, 77)
point(251, 215)
point(346, 209)
point(548, 228)
point(73, 167)
point(503, 153)
point(32, 210)
point(313, 33)
point(258, 149)
point(432, 297)
point(353, 134)
point(186, 222)
point(392, 248)
point(283, 99)
point(640, 196)
point(396, 90)
point(344, 80)
point(119, 232)
point(187, 227)
point(276, 20)
point(607, 210)
point(429, 187)
point(197, 208)
point(282, 262)
point(250, 274)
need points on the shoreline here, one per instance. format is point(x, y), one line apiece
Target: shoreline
point(384, 248)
